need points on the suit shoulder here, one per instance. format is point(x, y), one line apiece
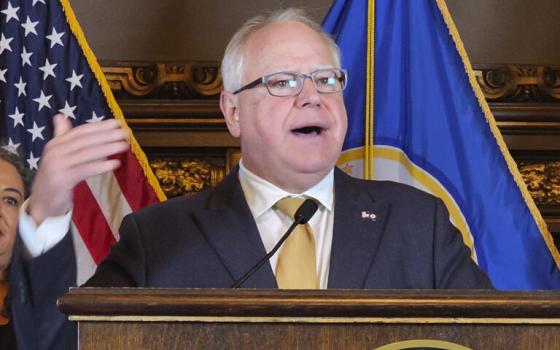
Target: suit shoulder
point(174, 206)
point(391, 191)
point(400, 189)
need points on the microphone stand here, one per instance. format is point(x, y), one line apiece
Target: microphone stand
point(302, 216)
point(267, 256)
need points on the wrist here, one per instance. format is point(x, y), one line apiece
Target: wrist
point(35, 212)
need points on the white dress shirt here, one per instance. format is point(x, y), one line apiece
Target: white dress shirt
point(272, 223)
point(38, 240)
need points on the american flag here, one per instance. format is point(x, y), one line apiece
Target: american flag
point(47, 67)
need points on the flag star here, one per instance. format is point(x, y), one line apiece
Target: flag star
point(43, 101)
point(74, 80)
point(36, 132)
point(29, 26)
point(26, 57)
point(32, 161)
point(68, 111)
point(17, 117)
point(36, 1)
point(5, 43)
point(95, 118)
point(54, 37)
point(11, 146)
point(11, 12)
point(3, 75)
point(48, 69)
point(21, 87)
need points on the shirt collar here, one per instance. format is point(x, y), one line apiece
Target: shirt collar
point(261, 195)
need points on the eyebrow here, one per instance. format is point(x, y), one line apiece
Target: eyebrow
point(288, 69)
point(9, 189)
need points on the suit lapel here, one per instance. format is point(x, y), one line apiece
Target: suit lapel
point(356, 234)
point(229, 227)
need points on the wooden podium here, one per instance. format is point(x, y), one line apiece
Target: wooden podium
point(131, 318)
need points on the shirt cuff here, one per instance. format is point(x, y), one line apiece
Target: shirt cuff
point(38, 240)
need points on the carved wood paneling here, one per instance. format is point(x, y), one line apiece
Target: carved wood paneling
point(185, 177)
point(519, 83)
point(163, 80)
point(543, 181)
point(196, 80)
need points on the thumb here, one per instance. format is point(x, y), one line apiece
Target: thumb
point(61, 124)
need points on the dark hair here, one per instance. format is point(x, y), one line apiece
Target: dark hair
point(15, 160)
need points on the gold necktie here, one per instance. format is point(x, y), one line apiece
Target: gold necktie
point(296, 267)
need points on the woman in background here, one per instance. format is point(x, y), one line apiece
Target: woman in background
point(14, 188)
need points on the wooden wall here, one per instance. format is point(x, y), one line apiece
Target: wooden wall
point(494, 31)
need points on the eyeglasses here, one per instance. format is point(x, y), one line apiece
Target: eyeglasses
point(282, 84)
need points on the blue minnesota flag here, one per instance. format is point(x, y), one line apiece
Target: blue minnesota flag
point(417, 115)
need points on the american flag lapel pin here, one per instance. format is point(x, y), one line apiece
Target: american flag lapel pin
point(367, 215)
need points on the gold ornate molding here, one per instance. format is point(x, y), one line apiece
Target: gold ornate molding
point(543, 181)
point(163, 80)
point(184, 177)
point(192, 80)
point(519, 83)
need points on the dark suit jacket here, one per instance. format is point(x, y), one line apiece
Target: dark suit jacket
point(35, 285)
point(211, 240)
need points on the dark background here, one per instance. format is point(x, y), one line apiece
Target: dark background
point(493, 31)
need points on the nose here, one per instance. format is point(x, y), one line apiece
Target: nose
point(309, 96)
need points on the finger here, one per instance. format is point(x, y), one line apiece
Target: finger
point(76, 142)
point(87, 170)
point(61, 124)
point(91, 154)
point(87, 129)
point(84, 130)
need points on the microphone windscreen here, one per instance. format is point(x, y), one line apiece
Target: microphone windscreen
point(305, 211)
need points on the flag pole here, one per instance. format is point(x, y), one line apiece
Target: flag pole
point(370, 91)
point(115, 109)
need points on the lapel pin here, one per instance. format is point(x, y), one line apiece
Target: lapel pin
point(368, 215)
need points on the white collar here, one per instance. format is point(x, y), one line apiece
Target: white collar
point(261, 195)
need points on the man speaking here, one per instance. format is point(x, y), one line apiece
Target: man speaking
point(283, 99)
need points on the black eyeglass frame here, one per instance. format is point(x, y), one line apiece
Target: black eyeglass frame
point(262, 80)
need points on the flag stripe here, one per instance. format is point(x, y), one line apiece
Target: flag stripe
point(131, 178)
point(90, 221)
point(110, 200)
point(85, 264)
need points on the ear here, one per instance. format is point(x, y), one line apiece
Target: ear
point(230, 110)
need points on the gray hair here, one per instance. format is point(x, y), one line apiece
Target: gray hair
point(232, 63)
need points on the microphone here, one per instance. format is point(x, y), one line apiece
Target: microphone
point(305, 211)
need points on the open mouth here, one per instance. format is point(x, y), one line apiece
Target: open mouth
point(308, 130)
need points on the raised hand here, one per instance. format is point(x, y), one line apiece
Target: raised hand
point(71, 156)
